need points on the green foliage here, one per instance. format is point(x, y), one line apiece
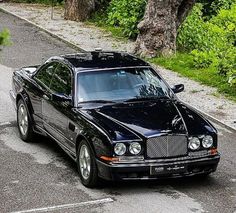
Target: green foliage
point(195, 33)
point(218, 5)
point(232, 78)
point(226, 20)
point(212, 7)
point(4, 38)
point(126, 14)
point(226, 61)
point(203, 59)
point(212, 42)
point(183, 64)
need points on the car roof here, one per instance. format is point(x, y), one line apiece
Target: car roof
point(102, 60)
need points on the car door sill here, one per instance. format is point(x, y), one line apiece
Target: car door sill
point(72, 155)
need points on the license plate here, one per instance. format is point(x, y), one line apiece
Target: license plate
point(173, 169)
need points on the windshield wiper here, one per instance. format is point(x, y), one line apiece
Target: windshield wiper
point(146, 98)
point(97, 101)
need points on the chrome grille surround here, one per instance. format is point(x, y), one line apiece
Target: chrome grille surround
point(167, 146)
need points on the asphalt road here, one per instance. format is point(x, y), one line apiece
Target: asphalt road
point(29, 45)
point(40, 175)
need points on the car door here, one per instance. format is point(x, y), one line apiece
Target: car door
point(56, 110)
point(42, 83)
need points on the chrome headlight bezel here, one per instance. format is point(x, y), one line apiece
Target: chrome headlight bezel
point(135, 148)
point(120, 149)
point(207, 141)
point(194, 143)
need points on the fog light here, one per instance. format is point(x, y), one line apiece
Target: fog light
point(207, 141)
point(194, 143)
point(120, 149)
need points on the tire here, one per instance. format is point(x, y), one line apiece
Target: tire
point(24, 122)
point(86, 164)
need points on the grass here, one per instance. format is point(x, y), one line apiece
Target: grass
point(182, 63)
point(99, 19)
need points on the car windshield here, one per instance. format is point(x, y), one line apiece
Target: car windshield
point(120, 84)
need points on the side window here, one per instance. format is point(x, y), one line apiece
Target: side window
point(44, 75)
point(61, 81)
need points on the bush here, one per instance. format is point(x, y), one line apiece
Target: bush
point(226, 61)
point(4, 38)
point(226, 20)
point(211, 42)
point(195, 33)
point(218, 5)
point(203, 59)
point(212, 7)
point(126, 14)
point(232, 78)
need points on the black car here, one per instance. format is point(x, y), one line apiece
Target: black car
point(115, 116)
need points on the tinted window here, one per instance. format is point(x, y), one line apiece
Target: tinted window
point(61, 82)
point(44, 75)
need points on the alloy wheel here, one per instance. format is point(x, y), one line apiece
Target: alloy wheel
point(23, 119)
point(84, 162)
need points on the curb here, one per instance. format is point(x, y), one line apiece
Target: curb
point(71, 44)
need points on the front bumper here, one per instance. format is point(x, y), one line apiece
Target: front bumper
point(156, 169)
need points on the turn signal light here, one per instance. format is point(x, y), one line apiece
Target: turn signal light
point(110, 159)
point(213, 151)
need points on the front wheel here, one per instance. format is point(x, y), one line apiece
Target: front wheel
point(87, 167)
point(24, 122)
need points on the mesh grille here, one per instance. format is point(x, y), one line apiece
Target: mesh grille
point(167, 146)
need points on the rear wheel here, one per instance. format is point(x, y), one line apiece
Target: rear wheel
point(24, 122)
point(87, 167)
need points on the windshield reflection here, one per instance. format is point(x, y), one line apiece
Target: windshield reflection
point(120, 84)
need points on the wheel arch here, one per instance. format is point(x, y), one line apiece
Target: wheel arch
point(79, 139)
point(23, 95)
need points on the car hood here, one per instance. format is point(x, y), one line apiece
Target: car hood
point(137, 120)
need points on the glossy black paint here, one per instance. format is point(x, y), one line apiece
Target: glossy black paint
point(178, 88)
point(102, 125)
point(102, 60)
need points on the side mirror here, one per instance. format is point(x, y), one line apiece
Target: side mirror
point(61, 98)
point(178, 88)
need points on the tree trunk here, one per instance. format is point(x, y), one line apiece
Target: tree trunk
point(78, 10)
point(158, 29)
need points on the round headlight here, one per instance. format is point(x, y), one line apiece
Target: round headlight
point(135, 148)
point(207, 141)
point(120, 149)
point(194, 143)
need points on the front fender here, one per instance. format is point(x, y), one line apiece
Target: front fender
point(98, 139)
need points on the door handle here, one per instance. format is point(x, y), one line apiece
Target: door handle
point(46, 97)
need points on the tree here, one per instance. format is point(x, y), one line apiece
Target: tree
point(78, 10)
point(158, 29)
